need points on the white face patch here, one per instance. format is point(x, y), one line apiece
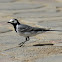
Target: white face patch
point(13, 21)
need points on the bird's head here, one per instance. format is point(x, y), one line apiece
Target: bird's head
point(13, 21)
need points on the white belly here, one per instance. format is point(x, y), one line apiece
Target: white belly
point(25, 34)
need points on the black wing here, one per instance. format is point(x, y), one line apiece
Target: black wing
point(26, 28)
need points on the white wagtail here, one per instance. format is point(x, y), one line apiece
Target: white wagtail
point(25, 30)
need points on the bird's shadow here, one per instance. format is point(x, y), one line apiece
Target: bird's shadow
point(43, 44)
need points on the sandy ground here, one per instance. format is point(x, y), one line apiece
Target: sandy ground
point(46, 47)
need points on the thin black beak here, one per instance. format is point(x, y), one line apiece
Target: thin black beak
point(8, 22)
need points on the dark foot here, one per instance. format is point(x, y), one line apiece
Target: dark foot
point(21, 44)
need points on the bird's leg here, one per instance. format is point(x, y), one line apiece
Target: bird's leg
point(27, 39)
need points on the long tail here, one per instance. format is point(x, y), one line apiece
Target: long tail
point(54, 30)
point(43, 29)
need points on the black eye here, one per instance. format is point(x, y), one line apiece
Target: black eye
point(12, 21)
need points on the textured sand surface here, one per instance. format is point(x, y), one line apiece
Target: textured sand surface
point(39, 13)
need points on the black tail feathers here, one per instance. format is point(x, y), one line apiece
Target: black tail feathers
point(54, 30)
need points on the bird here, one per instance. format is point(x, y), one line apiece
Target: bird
point(26, 30)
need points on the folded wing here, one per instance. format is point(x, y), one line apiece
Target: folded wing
point(26, 28)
